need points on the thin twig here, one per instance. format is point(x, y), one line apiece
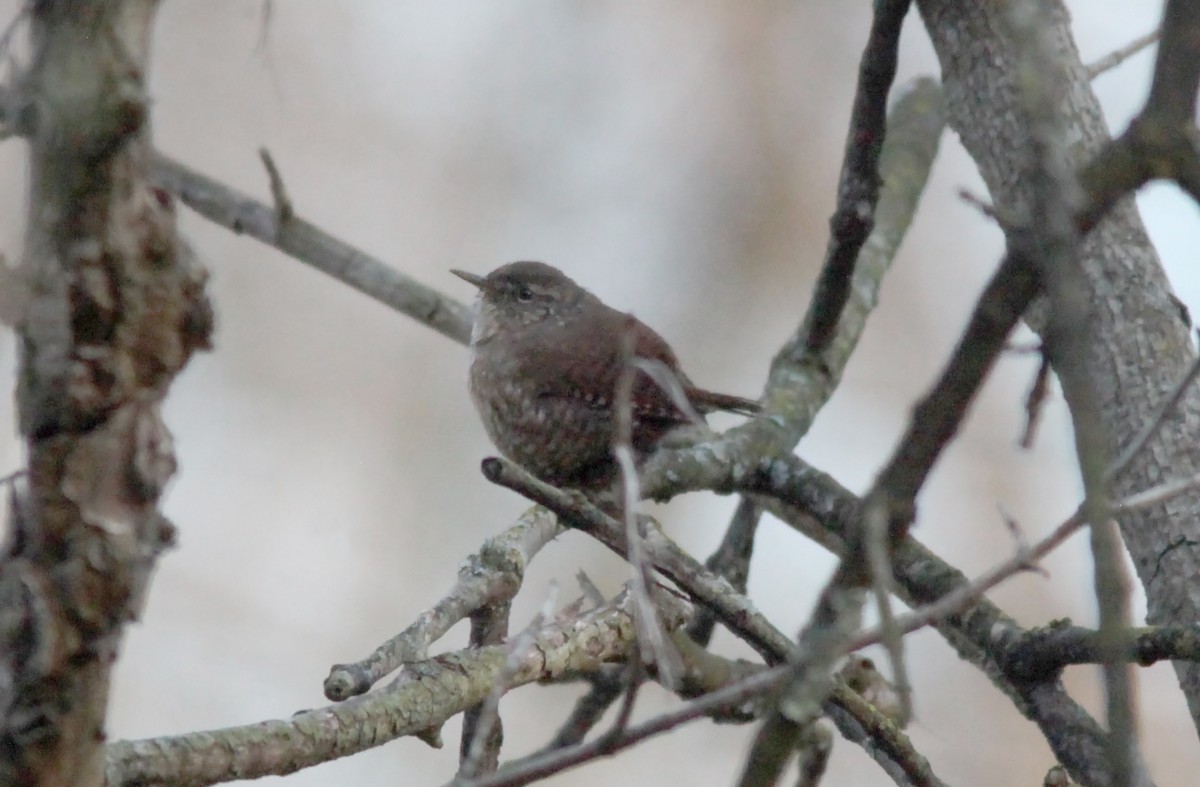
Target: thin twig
point(1119, 56)
point(607, 686)
point(492, 575)
point(589, 589)
point(283, 203)
point(489, 714)
point(882, 585)
point(482, 728)
point(980, 204)
point(652, 645)
point(634, 675)
point(730, 560)
point(11, 28)
point(1052, 240)
point(266, 16)
point(1158, 494)
point(1035, 401)
point(666, 379)
point(1018, 536)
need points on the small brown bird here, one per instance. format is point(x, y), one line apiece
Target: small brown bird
point(546, 356)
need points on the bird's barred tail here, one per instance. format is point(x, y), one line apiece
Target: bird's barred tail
point(709, 400)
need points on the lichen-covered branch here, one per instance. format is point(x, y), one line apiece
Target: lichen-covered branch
point(423, 696)
point(489, 577)
point(858, 185)
point(734, 610)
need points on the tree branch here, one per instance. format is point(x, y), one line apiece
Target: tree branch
point(1043, 652)
point(858, 185)
point(1052, 243)
point(734, 610)
point(299, 239)
point(423, 696)
point(490, 577)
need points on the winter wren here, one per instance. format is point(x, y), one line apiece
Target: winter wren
point(546, 356)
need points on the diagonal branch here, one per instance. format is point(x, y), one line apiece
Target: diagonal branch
point(1052, 242)
point(817, 505)
point(858, 185)
point(492, 576)
point(1177, 67)
point(304, 241)
point(734, 610)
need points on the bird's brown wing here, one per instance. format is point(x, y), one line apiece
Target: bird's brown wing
point(589, 367)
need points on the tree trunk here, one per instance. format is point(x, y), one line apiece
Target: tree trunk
point(114, 310)
point(1141, 346)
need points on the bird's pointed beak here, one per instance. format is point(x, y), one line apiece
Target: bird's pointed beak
point(470, 278)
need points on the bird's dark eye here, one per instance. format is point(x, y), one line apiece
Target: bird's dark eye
point(524, 294)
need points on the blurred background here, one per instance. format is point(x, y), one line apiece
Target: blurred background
point(679, 159)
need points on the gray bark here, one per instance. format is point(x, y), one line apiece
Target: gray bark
point(1140, 347)
point(114, 309)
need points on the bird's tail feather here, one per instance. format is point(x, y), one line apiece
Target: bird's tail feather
point(709, 400)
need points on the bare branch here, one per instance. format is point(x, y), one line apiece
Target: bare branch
point(822, 643)
point(482, 736)
point(423, 696)
point(302, 240)
point(1051, 241)
point(731, 560)
point(1161, 142)
point(1177, 67)
point(607, 686)
point(869, 726)
point(811, 498)
point(814, 749)
point(734, 610)
point(1119, 56)
point(858, 185)
point(283, 203)
point(652, 644)
point(1035, 400)
point(1159, 494)
point(877, 551)
point(1042, 653)
point(491, 576)
point(547, 763)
